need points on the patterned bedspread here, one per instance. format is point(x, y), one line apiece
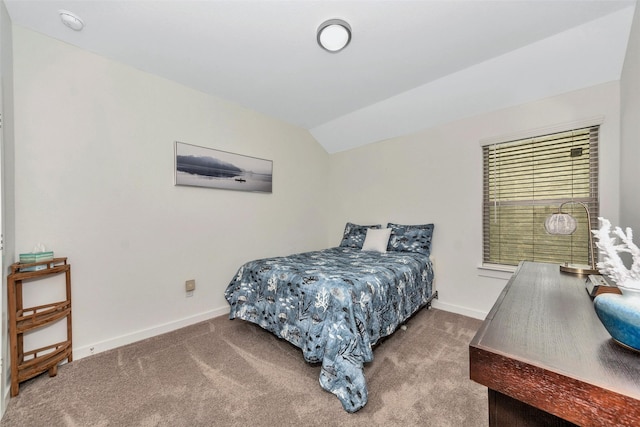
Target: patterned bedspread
point(333, 304)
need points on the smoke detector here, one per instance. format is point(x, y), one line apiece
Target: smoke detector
point(71, 20)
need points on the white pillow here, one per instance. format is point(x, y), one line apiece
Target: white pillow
point(376, 240)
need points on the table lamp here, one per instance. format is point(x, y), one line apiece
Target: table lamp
point(561, 223)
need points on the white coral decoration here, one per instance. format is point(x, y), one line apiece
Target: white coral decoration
point(612, 264)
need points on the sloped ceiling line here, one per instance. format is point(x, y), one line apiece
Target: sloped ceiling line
point(410, 64)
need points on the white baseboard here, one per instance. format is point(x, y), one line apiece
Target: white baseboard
point(476, 314)
point(7, 396)
point(99, 347)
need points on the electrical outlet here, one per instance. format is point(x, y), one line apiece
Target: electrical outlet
point(190, 285)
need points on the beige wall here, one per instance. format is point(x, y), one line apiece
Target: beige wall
point(94, 182)
point(630, 132)
point(436, 176)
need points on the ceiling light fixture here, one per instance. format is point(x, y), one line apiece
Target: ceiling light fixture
point(334, 35)
point(71, 20)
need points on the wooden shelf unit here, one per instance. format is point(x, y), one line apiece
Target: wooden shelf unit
point(28, 364)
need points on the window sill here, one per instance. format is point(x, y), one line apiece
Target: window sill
point(496, 271)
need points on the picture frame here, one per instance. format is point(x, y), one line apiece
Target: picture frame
point(197, 166)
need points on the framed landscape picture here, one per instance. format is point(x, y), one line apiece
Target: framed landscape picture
point(205, 167)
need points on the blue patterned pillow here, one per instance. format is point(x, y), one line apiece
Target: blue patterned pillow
point(354, 235)
point(410, 238)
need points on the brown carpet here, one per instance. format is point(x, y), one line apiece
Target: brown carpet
point(228, 373)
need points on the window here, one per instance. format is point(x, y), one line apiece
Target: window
point(525, 181)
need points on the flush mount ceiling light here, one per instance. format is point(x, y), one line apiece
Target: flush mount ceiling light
point(334, 35)
point(71, 20)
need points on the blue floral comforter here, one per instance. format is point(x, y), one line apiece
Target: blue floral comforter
point(333, 304)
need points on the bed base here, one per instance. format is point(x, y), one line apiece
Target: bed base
point(429, 301)
point(403, 325)
point(426, 305)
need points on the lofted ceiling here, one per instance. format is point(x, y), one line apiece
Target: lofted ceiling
point(410, 64)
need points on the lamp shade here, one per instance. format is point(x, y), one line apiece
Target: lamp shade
point(563, 224)
point(560, 223)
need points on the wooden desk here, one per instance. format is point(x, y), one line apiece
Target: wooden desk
point(547, 359)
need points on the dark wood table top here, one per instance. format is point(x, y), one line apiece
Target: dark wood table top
point(542, 343)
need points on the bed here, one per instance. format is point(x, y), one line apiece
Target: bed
point(336, 304)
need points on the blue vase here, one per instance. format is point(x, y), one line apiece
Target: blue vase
point(620, 315)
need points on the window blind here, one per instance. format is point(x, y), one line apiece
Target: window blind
point(525, 181)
